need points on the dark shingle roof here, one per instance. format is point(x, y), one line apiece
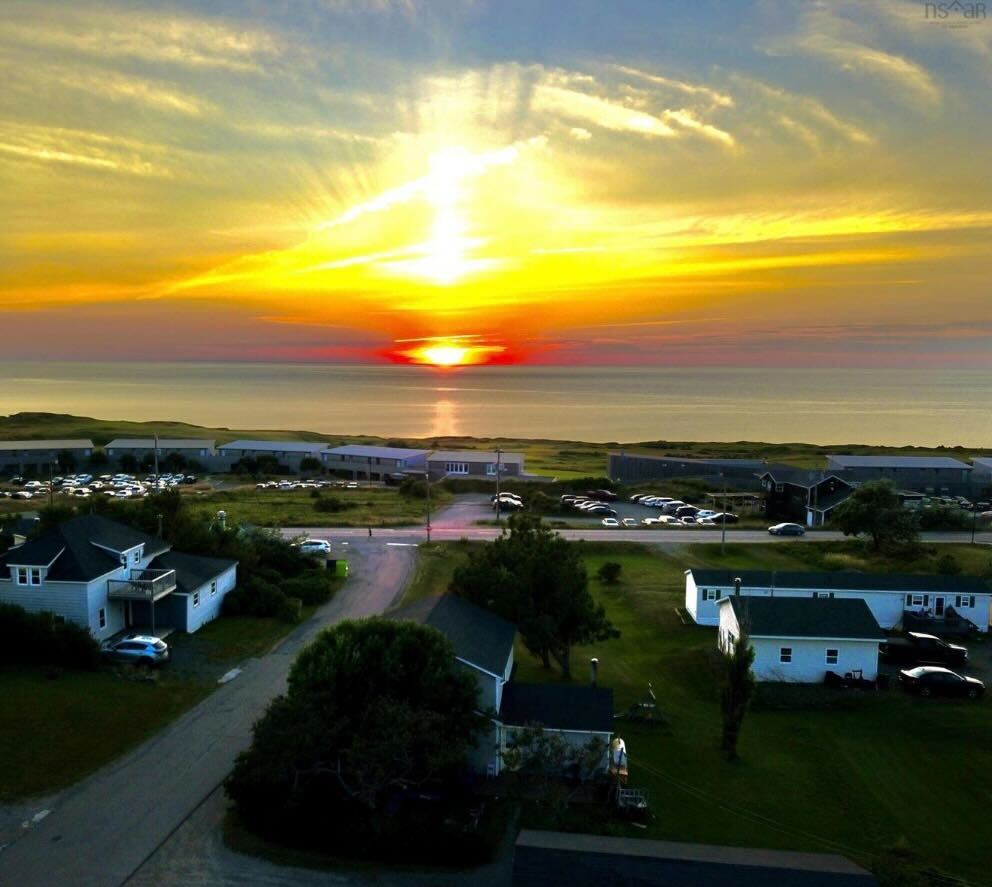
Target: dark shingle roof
point(478, 636)
point(841, 581)
point(801, 477)
point(74, 547)
point(558, 707)
point(804, 617)
point(192, 570)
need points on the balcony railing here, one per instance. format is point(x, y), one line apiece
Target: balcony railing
point(143, 585)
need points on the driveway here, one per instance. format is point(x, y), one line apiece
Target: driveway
point(103, 830)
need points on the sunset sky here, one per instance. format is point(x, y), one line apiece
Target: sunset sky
point(770, 183)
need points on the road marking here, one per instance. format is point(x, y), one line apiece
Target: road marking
point(230, 676)
point(403, 544)
point(34, 820)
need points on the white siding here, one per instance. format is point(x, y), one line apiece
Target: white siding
point(692, 597)
point(809, 663)
point(209, 606)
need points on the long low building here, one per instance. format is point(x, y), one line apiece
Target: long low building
point(889, 596)
point(141, 448)
point(286, 452)
point(374, 463)
point(928, 474)
point(800, 639)
point(474, 463)
point(18, 456)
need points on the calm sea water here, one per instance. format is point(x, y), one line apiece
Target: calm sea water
point(923, 407)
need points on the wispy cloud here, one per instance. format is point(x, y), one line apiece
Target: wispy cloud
point(694, 89)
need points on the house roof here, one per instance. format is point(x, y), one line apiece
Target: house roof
point(841, 581)
point(75, 444)
point(558, 707)
point(275, 446)
point(804, 617)
point(478, 636)
point(73, 546)
point(147, 443)
point(726, 463)
point(895, 462)
point(475, 456)
point(372, 452)
point(597, 860)
point(831, 500)
point(801, 477)
point(192, 570)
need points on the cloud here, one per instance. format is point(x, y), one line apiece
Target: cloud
point(694, 89)
point(580, 134)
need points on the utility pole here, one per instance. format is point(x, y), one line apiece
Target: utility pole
point(156, 457)
point(499, 504)
point(51, 489)
point(370, 471)
point(428, 478)
point(723, 518)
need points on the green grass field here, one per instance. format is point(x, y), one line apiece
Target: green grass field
point(54, 732)
point(880, 771)
point(366, 507)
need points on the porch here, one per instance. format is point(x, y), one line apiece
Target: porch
point(948, 624)
point(142, 585)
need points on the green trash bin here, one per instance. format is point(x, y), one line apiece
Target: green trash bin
point(341, 569)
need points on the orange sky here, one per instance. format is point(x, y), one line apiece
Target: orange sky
point(796, 184)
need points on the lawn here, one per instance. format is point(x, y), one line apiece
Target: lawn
point(364, 507)
point(54, 732)
point(878, 771)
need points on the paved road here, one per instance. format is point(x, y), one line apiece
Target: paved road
point(102, 831)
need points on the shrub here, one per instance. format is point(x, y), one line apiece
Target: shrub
point(947, 565)
point(40, 639)
point(312, 587)
point(331, 505)
point(609, 572)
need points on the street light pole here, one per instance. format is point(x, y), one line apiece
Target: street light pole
point(428, 477)
point(723, 519)
point(499, 504)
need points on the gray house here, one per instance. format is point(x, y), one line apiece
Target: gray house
point(109, 577)
point(19, 456)
point(737, 474)
point(934, 474)
point(374, 463)
point(474, 463)
point(483, 644)
point(141, 448)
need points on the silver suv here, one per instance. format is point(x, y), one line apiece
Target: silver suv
point(139, 649)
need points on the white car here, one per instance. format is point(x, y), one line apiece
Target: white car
point(610, 522)
point(22, 494)
point(706, 514)
point(33, 485)
point(315, 546)
point(629, 522)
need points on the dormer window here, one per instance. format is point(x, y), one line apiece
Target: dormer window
point(136, 557)
point(28, 576)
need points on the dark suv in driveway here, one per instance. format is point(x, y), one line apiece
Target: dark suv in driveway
point(138, 649)
point(932, 680)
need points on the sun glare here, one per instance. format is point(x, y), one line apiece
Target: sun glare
point(444, 355)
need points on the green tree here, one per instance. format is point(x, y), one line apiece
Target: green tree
point(309, 463)
point(874, 510)
point(609, 573)
point(374, 707)
point(66, 462)
point(737, 690)
point(537, 580)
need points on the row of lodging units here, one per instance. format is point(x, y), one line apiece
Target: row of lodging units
point(804, 624)
point(358, 461)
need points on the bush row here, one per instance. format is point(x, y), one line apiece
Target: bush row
point(266, 594)
point(43, 639)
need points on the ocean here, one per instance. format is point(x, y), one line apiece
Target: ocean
point(597, 404)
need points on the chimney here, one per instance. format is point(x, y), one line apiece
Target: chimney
point(737, 586)
point(593, 670)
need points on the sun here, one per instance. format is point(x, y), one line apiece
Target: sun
point(444, 355)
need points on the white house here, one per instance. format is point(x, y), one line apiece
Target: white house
point(483, 644)
point(891, 597)
point(798, 640)
point(109, 577)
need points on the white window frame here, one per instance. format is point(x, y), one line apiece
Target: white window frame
point(491, 469)
point(213, 587)
point(836, 655)
point(136, 557)
point(22, 575)
point(101, 617)
point(711, 594)
point(34, 576)
point(196, 598)
point(784, 652)
point(964, 600)
point(456, 467)
point(823, 594)
point(917, 600)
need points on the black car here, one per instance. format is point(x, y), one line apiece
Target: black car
point(923, 649)
point(786, 530)
point(724, 517)
point(932, 680)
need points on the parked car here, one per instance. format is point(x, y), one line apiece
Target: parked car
point(139, 649)
point(787, 530)
point(923, 649)
point(724, 517)
point(315, 546)
point(932, 680)
point(705, 513)
point(629, 522)
point(22, 494)
point(610, 522)
point(688, 520)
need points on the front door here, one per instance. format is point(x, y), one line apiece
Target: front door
point(938, 607)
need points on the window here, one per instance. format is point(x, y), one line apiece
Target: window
point(196, 599)
point(779, 488)
point(136, 557)
point(832, 656)
point(964, 600)
point(101, 617)
point(34, 576)
point(824, 594)
point(22, 575)
point(29, 576)
point(785, 655)
point(213, 588)
point(731, 640)
point(711, 594)
point(917, 600)
point(456, 467)
point(491, 468)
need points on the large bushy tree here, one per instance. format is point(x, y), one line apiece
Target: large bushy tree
point(737, 690)
point(375, 708)
point(537, 580)
point(874, 510)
